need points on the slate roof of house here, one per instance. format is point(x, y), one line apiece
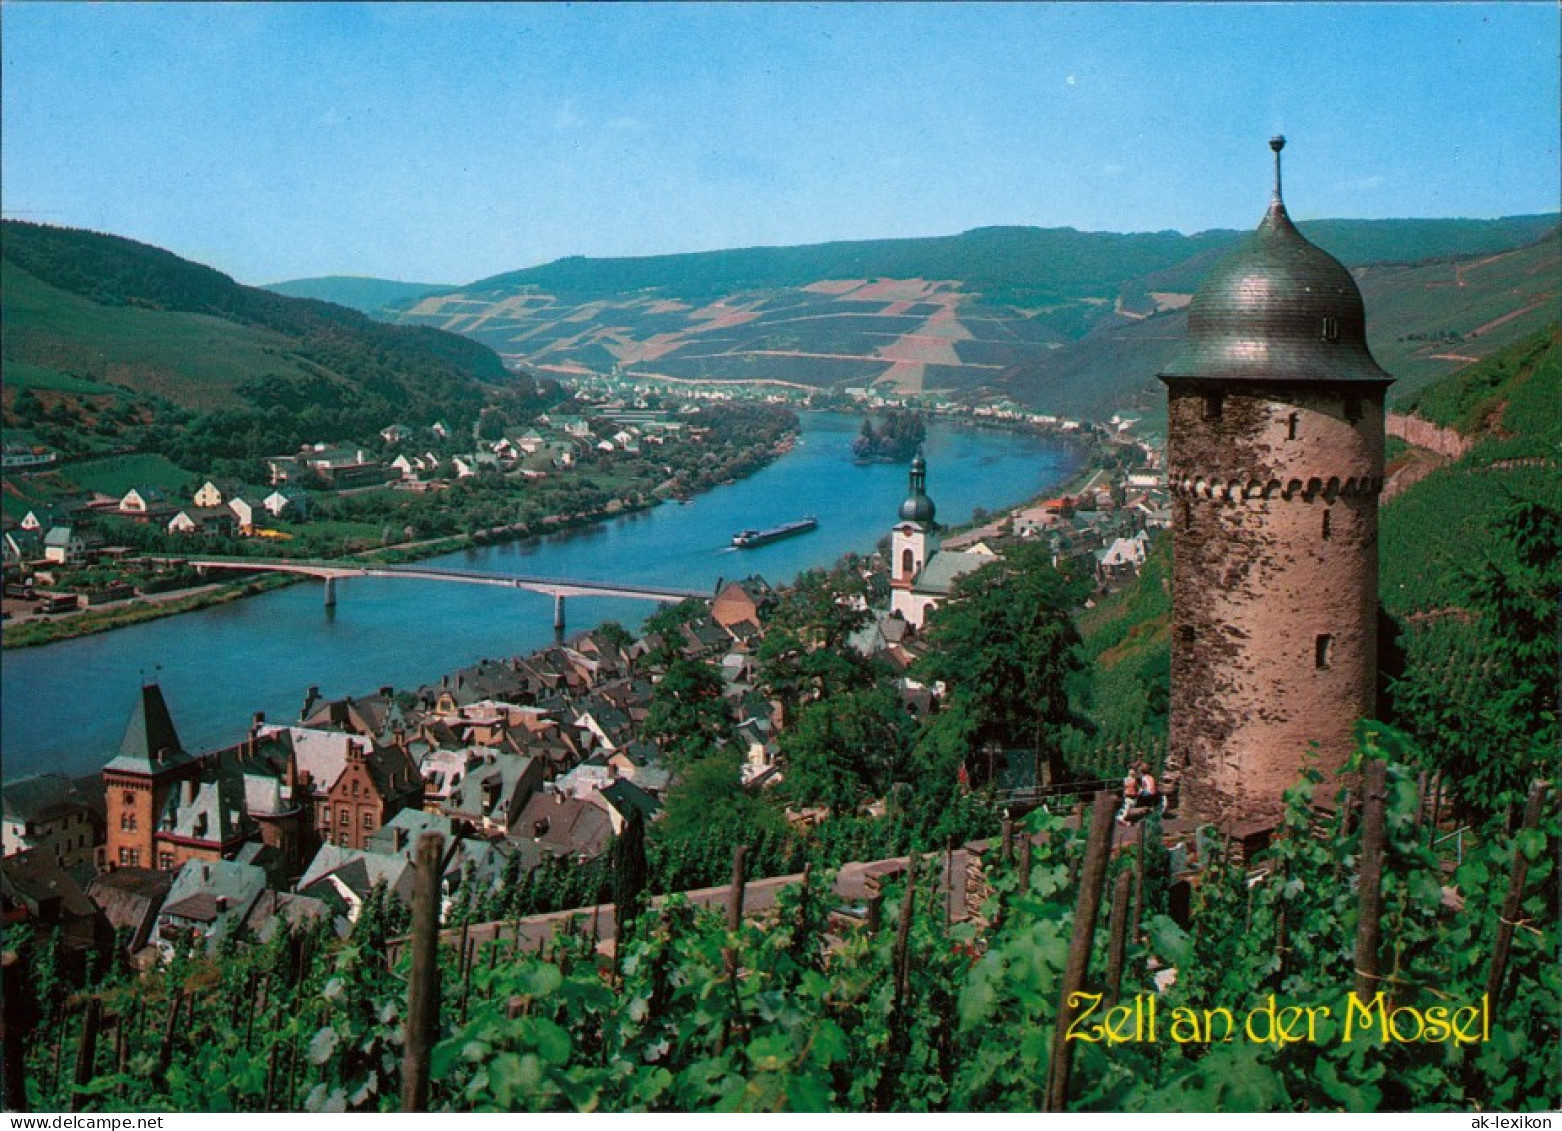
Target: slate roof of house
point(130, 899)
point(470, 798)
point(640, 753)
point(368, 714)
point(201, 883)
point(215, 814)
point(58, 536)
point(150, 744)
point(393, 771)
point(399, 835)
point(32, 878)
point(264, 793)
point(27, 543)
point(625, 796)
point(938, 575)
point(443, 769)
point(574, 827)
point(489, 679)
point(43, 797)
point(321, 754)
point(275, 908)
point(358, 870)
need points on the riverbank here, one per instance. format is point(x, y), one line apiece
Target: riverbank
point(138, 610)
point(34, 633)
point(67, 703)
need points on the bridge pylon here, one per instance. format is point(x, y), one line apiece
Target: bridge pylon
point(558, 615)
point(330, 592)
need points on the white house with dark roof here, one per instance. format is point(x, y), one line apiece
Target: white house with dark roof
point(208, 901)
point(52, 814)
point(64, 545)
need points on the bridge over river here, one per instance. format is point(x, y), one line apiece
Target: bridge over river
point(330, 571)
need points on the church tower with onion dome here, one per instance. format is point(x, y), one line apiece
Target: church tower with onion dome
point(1275, 463)
point(913, 540)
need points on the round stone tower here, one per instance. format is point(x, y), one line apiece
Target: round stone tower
point(1274, 461)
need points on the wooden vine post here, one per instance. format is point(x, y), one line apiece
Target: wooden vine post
point(1374, 796)
point(900, 966)
point(1092, 879)
point(423, 977)
point(15, 1028)
point(729, 953)
point(1513, 902)
point(165, 1051)
point(87, 1051)
point(1117, 952)
point(1139, 870)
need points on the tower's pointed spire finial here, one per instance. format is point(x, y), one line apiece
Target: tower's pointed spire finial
point(1277, 143)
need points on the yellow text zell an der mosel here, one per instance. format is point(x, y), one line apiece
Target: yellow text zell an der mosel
point(1137, 1022)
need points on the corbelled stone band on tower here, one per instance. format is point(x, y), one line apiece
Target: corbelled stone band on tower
point(1275, 462)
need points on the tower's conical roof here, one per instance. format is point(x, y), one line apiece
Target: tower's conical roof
point(1277, 308)
point(150, 743)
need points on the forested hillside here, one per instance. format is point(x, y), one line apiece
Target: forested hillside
point(110, 342)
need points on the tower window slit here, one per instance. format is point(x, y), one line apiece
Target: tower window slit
point(1331, 329)
point(1290, 427)
point(1213, 404)
point(1327, 525)
point(1321, 649)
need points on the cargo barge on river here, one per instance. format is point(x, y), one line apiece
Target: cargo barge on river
point(748, 539)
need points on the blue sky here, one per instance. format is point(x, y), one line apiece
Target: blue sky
point(444, 143)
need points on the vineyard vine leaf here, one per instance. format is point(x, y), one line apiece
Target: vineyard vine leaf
point(322, 1046)
point(320, 1099)
point(830, 1044)
point(1349, 1096)
point(1170, 941)
point(1532, 843)
point(444, 1057)
point(552, 1042)
point(1047, 882)
point(770, 1053)
point(807, 1093)
point(980, 995)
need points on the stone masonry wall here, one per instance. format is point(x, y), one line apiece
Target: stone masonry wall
point(1259, 581)
point(1425, 434)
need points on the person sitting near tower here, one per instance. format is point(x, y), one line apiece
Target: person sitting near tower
point(1140, 794)
point(1130, 793)
point(1149, 795)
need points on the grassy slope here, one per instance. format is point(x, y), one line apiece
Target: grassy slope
point(114, 475)
point(194, 359)
point(1127, 645)
point(1437, 528)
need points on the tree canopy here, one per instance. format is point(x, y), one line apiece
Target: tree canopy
point(1005, 645)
